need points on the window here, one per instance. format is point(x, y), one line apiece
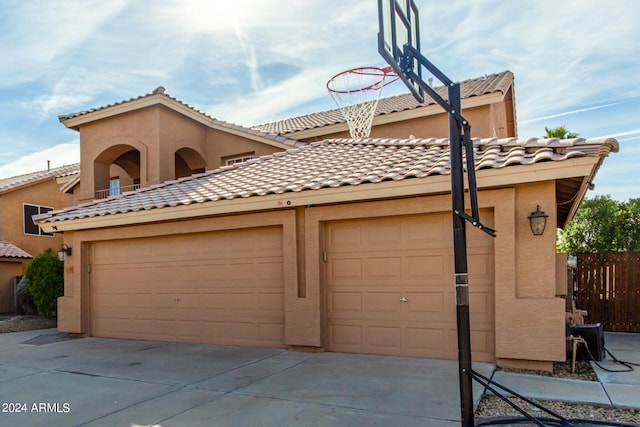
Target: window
point(30, 227)
point(240, 159)
point(114, 187)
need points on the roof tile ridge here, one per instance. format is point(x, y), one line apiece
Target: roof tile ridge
point(43, 172)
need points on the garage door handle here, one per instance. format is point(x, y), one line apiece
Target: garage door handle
point(403, 299)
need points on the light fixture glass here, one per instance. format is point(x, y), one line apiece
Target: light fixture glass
point(63, 252)
point(538, 221)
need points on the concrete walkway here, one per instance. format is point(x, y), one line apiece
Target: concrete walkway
point(57, 381)
point(618, 389)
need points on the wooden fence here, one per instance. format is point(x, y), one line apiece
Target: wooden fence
point(608, 287)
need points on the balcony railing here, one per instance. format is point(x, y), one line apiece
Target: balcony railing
point(103, 194)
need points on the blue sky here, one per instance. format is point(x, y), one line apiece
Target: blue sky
point(575, 62)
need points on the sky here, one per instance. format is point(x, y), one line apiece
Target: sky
point(576, 63)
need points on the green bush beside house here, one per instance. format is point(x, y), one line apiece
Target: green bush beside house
point(45, 278)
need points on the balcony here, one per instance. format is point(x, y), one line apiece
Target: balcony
point(115, 191)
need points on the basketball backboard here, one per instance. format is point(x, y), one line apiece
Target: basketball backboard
point(399, 26)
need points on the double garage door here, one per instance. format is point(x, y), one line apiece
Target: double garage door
point(222, 287)
point(389, 287)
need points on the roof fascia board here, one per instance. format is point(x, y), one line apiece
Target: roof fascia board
point(582, 191)
point(138, 104)
point(125, 107)
point(435, 184)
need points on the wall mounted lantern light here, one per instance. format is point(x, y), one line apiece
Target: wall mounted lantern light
point(63, 252)
point(538, 221)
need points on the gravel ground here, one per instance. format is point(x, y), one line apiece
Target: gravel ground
point(492, 406)
point(25, 323)
point(584, 371)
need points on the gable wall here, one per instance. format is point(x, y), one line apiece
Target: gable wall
point(139, 129)
point(157, 132)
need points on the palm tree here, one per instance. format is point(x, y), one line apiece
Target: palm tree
point(560, 132)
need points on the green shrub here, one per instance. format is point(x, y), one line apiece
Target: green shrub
point(45, 278)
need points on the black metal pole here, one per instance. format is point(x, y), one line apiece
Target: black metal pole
point(460, 258)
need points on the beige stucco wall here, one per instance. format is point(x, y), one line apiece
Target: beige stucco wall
point(529, 319)
point(484, 119)
point(44, 193)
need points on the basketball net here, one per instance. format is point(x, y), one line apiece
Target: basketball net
point(356, 93)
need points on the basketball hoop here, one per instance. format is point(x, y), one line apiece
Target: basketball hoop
point(356, 92)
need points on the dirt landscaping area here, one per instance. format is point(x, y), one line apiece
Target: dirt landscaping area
point(25, 323)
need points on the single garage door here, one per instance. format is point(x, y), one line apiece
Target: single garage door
point(389, 287)
point(223, 287)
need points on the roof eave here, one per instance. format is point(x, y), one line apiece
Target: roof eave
point(608, 145)
point(160, 99)
point(431, 185)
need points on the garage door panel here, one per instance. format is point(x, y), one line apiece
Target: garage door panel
point(426, 339)
point(271, 301)
point(346, 336)
point(480, 304)
point(428, 306)
point(425, 267)
point(271, 332)
point(345, 268)
point(382, 235)
point(384, 337)
point(213, 300)
point(383, 268)
point(186, 297)
point(482, 345)
point(344, 237)
point(381, 303)
point(389, 287)
point(428, 232)
point(345, 302)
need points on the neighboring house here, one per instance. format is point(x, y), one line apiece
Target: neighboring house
point(488, 103)
point(12, 261)
point(21, 197)
point(339, 245)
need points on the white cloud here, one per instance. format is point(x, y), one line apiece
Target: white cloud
point(58, 155)
point(35, 33)
point(626, 133)
point(568, 113)
point(252, 61)
point(249, 51)
point(269, 103)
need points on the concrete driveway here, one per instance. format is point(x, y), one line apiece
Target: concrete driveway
point(48, 381)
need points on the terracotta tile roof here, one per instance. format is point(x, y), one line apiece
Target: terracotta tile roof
point(487, 84)
point(7, 184)
point(160, 93)
point(334, 163)
point(7, 250)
